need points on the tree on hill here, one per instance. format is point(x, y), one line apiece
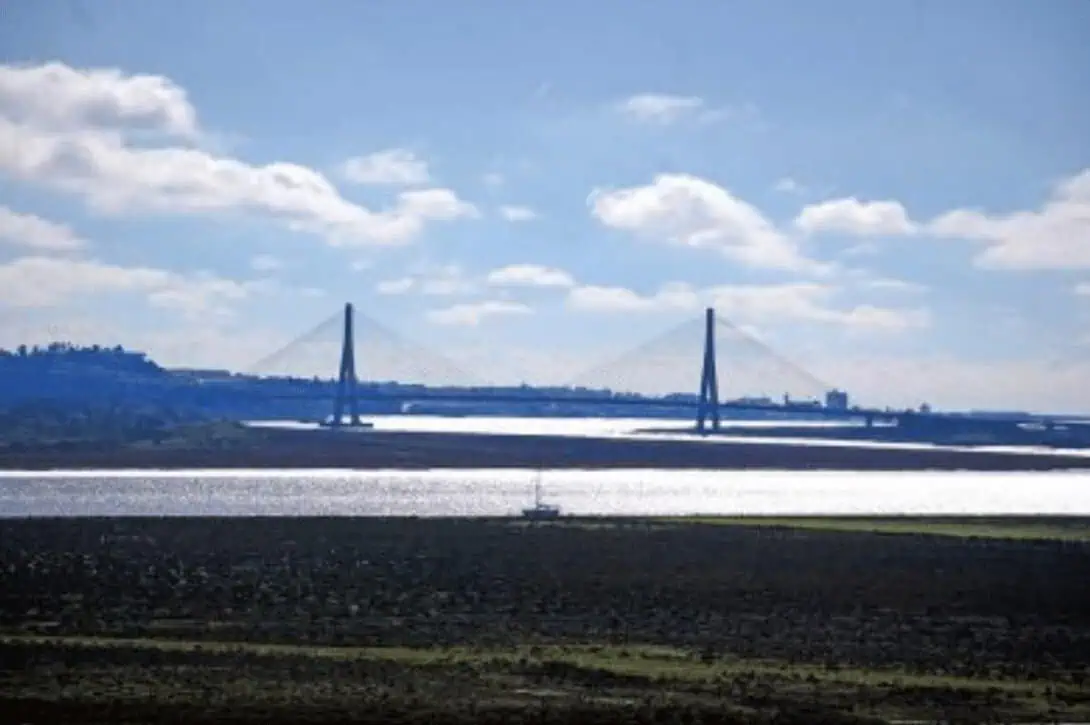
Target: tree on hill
point(97, 356)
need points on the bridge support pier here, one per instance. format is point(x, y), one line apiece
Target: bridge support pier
point(708, 404)
point(346, 378)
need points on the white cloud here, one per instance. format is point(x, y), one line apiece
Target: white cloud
point(395, 167)
point(872, 318)
point(660, 108)
point(754, 305)
point(265, 263)
point(493, 179)
point(98, 164)
point(395, 286)
point(57, 97)
point(677, 296)
point(529, 275)
point(1082, 289)
point(852, 216)
point(433, 280)
point(809, 303)
point(33, 232)
point(517, 213)
point(664, 109)
point(894, 285)
point(690, 211)
point(761, 304)
point(788, 185)
point(445, 280)
point(867, 279)
point(31, 282)
point(200, 295)
point(451, 280)
point(1056, 236)
point(473, 313)
point(47, 281)
point(437, 204)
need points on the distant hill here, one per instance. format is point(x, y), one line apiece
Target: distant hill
point(64, 374)
point(61, 356)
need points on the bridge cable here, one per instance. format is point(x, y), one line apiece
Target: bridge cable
point(322, 328)
point(415, 350)
point(640, 352)
point(819, 385)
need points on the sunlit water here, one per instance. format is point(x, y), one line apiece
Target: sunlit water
point(506, 492)
point(631, 428)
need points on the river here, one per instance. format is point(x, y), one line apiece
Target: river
point(505, 492)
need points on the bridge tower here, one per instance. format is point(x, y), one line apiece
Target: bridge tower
point(708, 405)
point(346, 379)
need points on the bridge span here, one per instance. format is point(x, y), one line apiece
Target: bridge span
point(707, 406)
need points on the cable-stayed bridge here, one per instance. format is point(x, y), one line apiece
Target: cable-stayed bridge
point(705, 364)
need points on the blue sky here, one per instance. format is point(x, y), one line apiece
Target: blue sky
point(885, 191)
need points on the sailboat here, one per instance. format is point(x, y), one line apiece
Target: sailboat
point(540, 510)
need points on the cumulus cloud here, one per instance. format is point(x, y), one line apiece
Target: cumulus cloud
point(34, 232)
point(1053, 237)
point(517, 213)
point(396, 167)
point(664, 109)
point(852, 216)
point(54, 96)
point(754, 305)
point(34, 282)
point(1056, 236)
point(689, 211)
point(660, 108)
point(787, 185)
point(452, 280)
point(809, 302)
point(592, 298)
point(529, 275)
point(200, 295)
point(444, 280)
point(472, 314)
point(77, 143)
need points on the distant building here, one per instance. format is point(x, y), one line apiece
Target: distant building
point(836, 400)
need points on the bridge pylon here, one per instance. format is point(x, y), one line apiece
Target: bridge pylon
point(708, 404)
point(346, 378)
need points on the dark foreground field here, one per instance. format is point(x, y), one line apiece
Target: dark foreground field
point(370, 620)
point(297, 449)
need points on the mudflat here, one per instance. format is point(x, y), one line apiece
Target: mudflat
point(592, 620)
point(298, 449)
